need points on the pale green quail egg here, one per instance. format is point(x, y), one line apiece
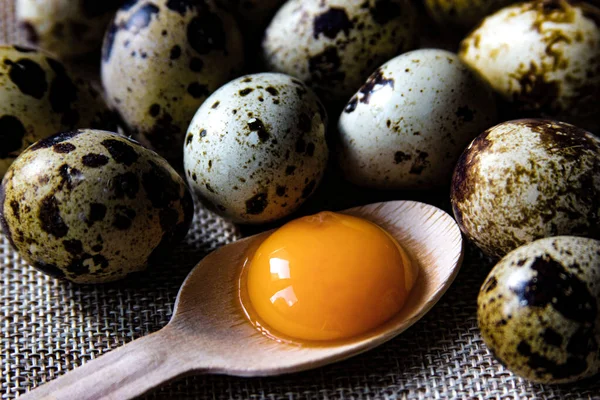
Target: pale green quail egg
point(161, 60)
point(256, 150)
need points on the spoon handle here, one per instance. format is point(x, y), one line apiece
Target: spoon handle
point(124, 373)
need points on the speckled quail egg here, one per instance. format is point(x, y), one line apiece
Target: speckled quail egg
point(161, 60)
point(335, 45)
point(91, 206)
point(38, 98)
point(527, 179)
point(462, 14)
point(543, 57)
point(256, 148)
point(66, 28)
point(538, 309)
point(408, 124)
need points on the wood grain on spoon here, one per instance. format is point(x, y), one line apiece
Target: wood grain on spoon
point(209, 333)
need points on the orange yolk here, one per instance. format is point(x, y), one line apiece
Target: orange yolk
point(328, 276)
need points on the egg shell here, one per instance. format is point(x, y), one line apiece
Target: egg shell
point(538, 309)
point(543, 58)
point(40, 97)
point(335, 45)
point(256, 148)
point(462, 14)
point(65, 28)
point(161, 60)
point(408, 124)
point(91, 206)
point(527, 179)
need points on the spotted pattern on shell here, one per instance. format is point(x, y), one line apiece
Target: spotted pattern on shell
point(65, 28)
point(527, 179)
point(334, 46)
point(408, 124)
point(543, 58)
point(256, 149)
point(462, 14)
point(161, 60)
point(538, 309)
point(39, 97)
point(91, 206)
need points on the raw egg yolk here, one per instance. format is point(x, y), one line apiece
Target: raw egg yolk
point(328, 276)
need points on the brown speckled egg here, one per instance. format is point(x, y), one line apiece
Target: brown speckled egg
point(335, 45)
point(462, 14)
point(527, 179)
point(408, 124)
point(256, 150)
point(66, 28)
point(91, 206)
point(161, 60)
point(38, 98)
point(538, 309)
point(543, 58)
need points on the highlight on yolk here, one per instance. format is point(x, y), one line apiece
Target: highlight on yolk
point(328, 276)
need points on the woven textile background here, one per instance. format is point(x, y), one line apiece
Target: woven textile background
point(48, 328)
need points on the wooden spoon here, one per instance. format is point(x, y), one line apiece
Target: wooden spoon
point(209, 333)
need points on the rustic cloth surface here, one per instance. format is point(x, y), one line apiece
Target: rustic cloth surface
point(49, 327)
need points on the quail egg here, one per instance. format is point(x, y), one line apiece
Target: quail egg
point(527, 179)
point(65, 28)
point(161, 60)
point(408, 124)
point(91, 206)
point(335, 45)
point(543, 58)
point(38, 98)
point(462, 14)
point(538, 309)
point(256, 148)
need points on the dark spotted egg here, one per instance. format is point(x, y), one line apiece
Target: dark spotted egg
point(38, 98)
point(256, 150)
point(543, 58)
point(538, 309)
point(462, 14)
point(161, 60)
point(408, 124)
point(66, 28)
point(91, 206)
point(527, 179)
point(335, 45)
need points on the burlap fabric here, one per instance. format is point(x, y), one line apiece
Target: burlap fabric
point(49, 327)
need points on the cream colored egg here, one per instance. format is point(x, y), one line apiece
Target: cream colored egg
point(527, 179)
point(40, 97)
point(161, 60)
point(408, 124)
point(256, 150)
point(538, 310)
point(90, 206)
point(66, 28)
point(543, 57)
point(335, 45)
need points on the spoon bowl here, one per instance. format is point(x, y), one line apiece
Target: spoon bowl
point(209, 332)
